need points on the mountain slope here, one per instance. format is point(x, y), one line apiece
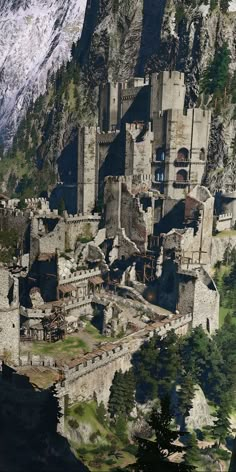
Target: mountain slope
point(35, 39)
point(120, 39)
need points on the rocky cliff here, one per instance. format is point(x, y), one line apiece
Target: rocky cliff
point(36, 37)
point(122, 38)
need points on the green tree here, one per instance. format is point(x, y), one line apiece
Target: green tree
point(146, 370)
point(154, 454)
point(169, 363)
point(120, 428)
point(222, 426)
point(224, 5)
point(216, 77)
point(121, 400)
point(101, 413)
point(193, 455)
point(185, 395)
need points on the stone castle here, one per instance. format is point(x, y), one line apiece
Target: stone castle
point(148, 251)
point(144, 129)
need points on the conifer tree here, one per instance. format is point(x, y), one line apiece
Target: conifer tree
point(222, 425)
point(154, 455)
point(185, 394)
point(193, 455)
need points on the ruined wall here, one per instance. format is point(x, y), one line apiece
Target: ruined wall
point(224, 222)
point(185, 301)
point(122, 247)
point(112, 203)
point(10, 334)
point(87, 169)
point(206, 303)
point(81, 226)
point(54, 240)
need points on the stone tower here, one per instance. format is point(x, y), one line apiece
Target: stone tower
point(87, 169)
point(180, 137)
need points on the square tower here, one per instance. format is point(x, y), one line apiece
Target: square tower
point(87, 172)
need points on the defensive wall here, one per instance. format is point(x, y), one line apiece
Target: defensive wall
point(90, 374)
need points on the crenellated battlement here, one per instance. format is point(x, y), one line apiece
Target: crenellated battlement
point(81, 217)
point(138, 126)
point(109, 352)
point(225, 216)
point(79, 275)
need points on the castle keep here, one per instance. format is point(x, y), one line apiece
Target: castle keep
point(144, 129)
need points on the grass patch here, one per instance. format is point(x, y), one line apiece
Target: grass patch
point(90, 329)
point(225, 234)
point(223, 313)
point(108, 452)
point(69, 347)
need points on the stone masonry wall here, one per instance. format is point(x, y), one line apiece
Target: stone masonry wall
point(81, 226)
point(87, 169)
point(54, 240)
point(10, 334)
point(138, 151)
point(206, 305)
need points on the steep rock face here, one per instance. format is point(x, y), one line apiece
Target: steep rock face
point(35, 39)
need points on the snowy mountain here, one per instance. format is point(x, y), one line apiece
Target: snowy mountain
point(35, 39)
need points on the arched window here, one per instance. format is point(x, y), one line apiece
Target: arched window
point(160, 154)
point(181, 176)
point(183, 154)
point(159, 175)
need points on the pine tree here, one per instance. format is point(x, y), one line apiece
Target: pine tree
point(121, 400)
point(101, 413)
point(216, 77)
point(154, 455)
point(193, 455)
point(169, 362)
point(146, 369)
point(129, 393)
point(120, 428)
point(116, 404)
point(222, 425)
point(185, 394)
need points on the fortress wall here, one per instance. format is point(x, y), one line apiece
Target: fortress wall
point(95, 374)
point(10, 334)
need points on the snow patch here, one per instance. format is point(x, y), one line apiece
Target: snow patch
point(35, 39)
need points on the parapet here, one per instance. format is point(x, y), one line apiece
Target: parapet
point(82, 217)
point(225, 216)
point(79, 275)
